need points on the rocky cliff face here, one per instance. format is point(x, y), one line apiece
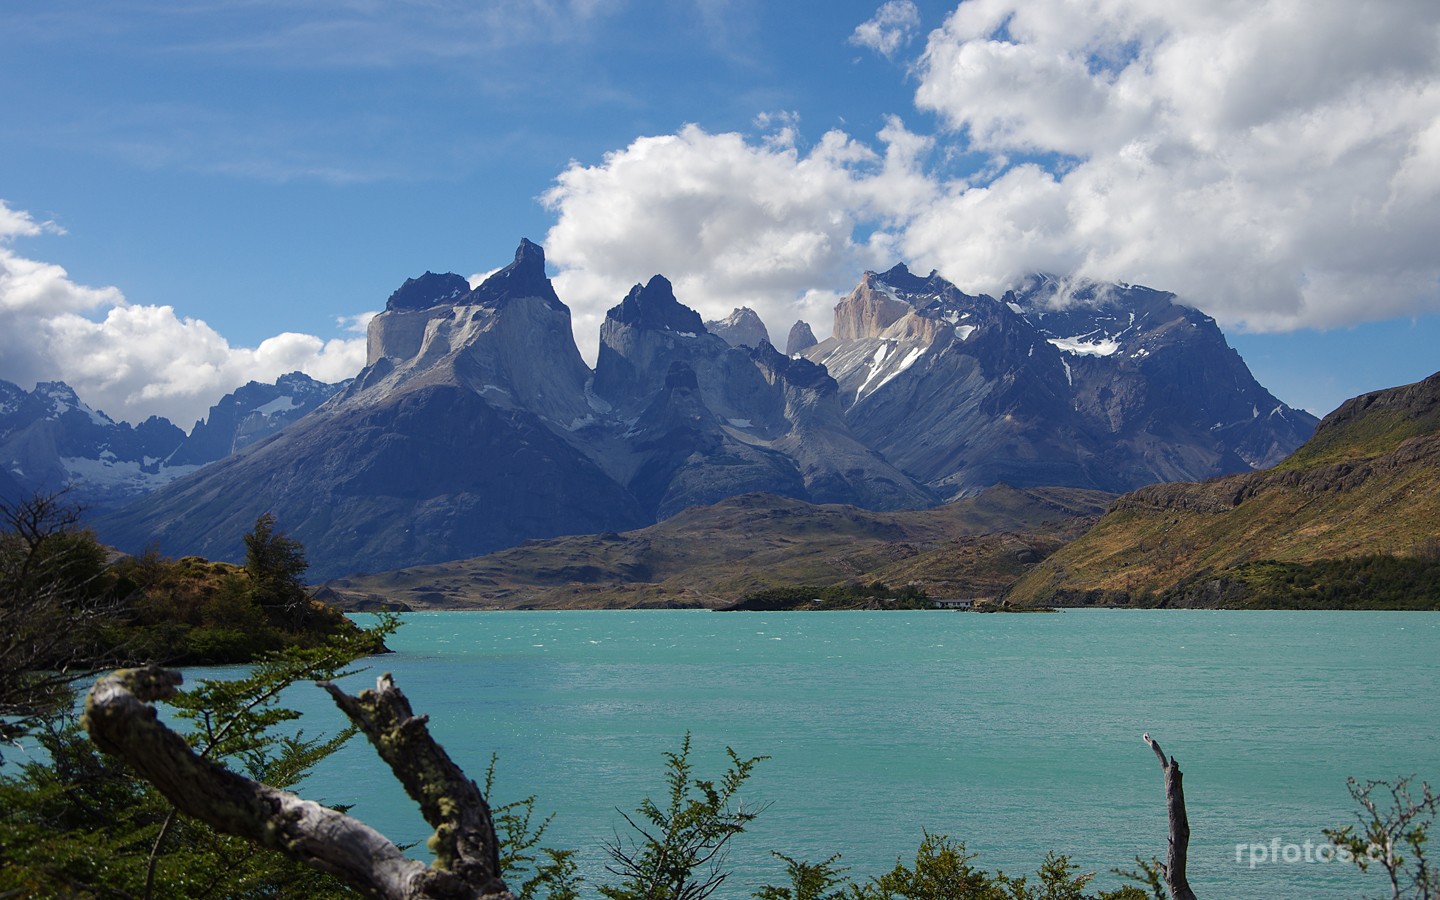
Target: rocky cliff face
point(453, 441)
point(1100, 386)
point(800, 339)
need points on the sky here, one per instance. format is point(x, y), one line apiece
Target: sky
point(194, 195)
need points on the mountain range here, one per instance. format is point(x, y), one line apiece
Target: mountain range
point(476, 425)
point(50, 440)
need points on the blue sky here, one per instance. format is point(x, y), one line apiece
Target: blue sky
point(275, 169)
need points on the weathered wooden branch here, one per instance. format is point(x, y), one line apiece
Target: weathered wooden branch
point(121, 721)
point(464, 840)
point(1179, 845)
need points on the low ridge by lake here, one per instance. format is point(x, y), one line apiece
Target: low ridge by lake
point(1017, 734)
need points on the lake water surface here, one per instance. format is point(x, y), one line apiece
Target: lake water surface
point(1014, 733)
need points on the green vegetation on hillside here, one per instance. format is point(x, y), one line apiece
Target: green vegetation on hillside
point(851, 595)
point(1371, 425)
point(1363, 582)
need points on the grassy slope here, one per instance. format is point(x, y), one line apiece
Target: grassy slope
point(1368, 482)
point(711, 555)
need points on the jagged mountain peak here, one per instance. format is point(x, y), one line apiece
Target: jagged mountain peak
point(653, 306)
point(428, 290)
point(899, 276)
point(800, 339)
point(524, 277)
point(742, 328)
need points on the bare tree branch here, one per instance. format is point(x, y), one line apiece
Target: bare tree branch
point(1179, 846)
point(121, 721)
point(464, 841)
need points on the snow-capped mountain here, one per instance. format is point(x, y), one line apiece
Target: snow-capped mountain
point(476, 425)
point(1089, 385)
point(51, 440)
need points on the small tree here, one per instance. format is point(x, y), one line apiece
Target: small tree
point(53, 598)
point(1385, 833)
point(808, 881)
point(680, 852)
point(276, 565)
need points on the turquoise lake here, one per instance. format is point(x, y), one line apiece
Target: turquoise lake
point(1014, 733)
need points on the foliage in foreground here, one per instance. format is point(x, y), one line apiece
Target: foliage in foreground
point(80, 824)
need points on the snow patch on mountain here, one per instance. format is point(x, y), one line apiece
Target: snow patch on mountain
point(131, 476)
point(278, 405)
point(1079, 346)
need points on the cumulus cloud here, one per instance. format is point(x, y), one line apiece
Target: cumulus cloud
point(731, 221)
point(130, 360)
point(892, 27)
point(1274, 163)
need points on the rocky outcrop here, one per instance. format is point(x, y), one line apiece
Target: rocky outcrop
point(800, 339)
point(428, 290)
point(869, 310)
point(742, 328)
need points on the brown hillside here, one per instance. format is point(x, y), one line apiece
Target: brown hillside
point(712, 555)
point(1368, 482)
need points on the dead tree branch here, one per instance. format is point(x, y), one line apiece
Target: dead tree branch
point(1179, 845)
point(464, 840)
point(121, 721)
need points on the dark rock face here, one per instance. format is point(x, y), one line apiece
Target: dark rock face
point(1101, 386)
point(428, 290)
point(525, 277)
point(653, 307)
point(801, 338)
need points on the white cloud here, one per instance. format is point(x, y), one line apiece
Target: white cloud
point(892, 27)
point(1274, 163)
point(134, 361)
point(731, 222)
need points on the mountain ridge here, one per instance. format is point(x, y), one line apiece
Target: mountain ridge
point(938, 395)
